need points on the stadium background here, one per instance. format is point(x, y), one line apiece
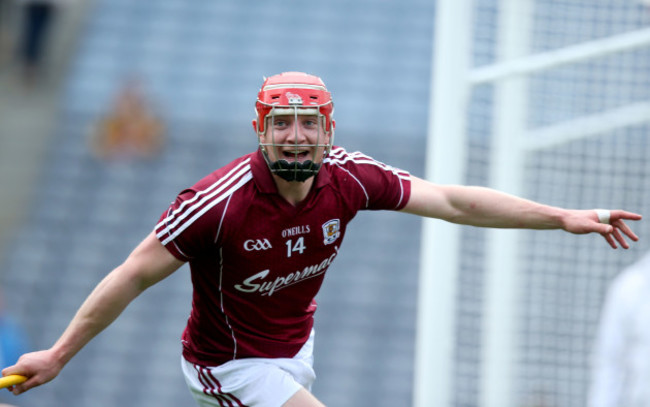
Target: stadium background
point(201, 65)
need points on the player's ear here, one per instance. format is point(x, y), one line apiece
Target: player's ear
point(330, 135)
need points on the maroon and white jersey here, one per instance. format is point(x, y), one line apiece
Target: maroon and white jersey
point(256, 261)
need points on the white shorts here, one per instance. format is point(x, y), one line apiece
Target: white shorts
point(251, 382)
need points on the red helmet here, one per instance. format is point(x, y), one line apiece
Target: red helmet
point(290, 91)
point(294, 93)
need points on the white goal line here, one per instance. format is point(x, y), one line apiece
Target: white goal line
point(559, 57)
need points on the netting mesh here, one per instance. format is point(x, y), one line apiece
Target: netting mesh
point(562, 278)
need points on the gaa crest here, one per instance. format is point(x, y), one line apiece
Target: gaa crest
point(331, 231)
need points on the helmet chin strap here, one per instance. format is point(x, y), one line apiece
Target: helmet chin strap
point(294, 171)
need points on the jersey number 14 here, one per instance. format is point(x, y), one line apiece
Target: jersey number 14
point(299, 246)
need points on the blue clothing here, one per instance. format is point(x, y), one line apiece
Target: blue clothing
point(12, 341)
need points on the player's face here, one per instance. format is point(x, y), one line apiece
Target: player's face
point(295, 138)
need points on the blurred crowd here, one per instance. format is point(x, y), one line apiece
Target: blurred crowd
point(26, 28)
point(130, 129)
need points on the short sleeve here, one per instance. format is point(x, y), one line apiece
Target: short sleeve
point(382, 186)
point(185, 228)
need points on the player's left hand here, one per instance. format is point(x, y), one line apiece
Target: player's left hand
point(609, 223)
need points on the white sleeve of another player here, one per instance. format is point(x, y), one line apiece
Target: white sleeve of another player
point(609, 360)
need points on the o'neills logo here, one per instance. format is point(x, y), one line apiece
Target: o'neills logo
point(257, 282)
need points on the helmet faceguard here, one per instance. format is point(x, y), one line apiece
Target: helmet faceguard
point(295, 94)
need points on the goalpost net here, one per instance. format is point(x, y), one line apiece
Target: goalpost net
point(552, 103)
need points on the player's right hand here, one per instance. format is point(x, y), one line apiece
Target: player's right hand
point(39, 368)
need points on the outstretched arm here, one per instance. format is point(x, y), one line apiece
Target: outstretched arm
point(148, 264)
point(485, 207)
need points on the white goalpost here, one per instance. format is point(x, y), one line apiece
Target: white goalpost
point(553, 115)
point(444, 164)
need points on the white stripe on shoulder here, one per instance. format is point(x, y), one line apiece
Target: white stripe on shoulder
point(336, 151)
point(341, 157)
point(191, 205)
point(358, 182)
point(215, 193)
point(224, 179)
point(338, 157)
point(247, 177)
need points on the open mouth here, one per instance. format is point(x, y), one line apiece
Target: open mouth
point(295, 155)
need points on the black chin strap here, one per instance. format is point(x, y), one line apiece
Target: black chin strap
point(294, 171)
